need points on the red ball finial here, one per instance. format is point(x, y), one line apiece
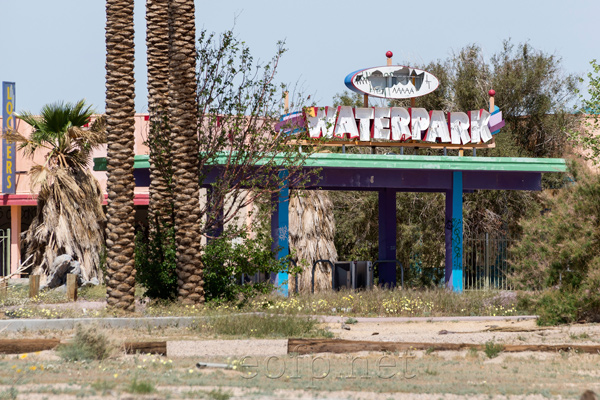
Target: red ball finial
point(492, 92)
point(389, 54)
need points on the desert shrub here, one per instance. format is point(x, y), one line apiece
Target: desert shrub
point(227, 262)
point(557, 254)
point(556, 307)
point(140, 387)
point(492, 349)
point(155, 263)
point(87, 344)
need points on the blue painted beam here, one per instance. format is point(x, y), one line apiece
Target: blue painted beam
point(403, 179)
point(387, 237)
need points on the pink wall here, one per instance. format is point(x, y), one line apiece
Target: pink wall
point(23, 164)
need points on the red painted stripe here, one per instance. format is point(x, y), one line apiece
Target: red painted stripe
point(18, 199)
point(140, 199)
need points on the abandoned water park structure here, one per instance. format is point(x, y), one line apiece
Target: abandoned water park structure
point(387, 174)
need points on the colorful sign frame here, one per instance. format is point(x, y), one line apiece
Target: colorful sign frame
point(9, 154)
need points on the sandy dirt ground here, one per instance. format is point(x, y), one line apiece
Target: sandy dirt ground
point(478, 332)
point(574, 372)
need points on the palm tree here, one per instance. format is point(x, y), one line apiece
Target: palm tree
point(120, 113)
point(312, 230)
point(69, 218)
point(160, 207)
point(183, 120)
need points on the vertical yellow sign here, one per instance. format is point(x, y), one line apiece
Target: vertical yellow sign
point(8, 148)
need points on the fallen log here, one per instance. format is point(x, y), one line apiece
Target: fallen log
point(20, 346)
point(146, 347)
point(339, 346)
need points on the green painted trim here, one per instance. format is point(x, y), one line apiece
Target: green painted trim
point(437, 162)
point(365, 161)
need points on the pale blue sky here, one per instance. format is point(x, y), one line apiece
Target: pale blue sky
point(54, 50)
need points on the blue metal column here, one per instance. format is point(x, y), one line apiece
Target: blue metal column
point(387, 237)
point(280, 232)
point(454, 234)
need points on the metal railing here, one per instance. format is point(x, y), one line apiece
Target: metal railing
point(398, 263)
point(485, 265)
point(4, 252)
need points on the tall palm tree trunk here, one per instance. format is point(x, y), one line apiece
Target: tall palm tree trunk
point(160, 207)
point(183, 113)
point(120, 112)
point(312, 231)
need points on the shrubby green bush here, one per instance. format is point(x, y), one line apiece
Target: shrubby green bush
point(558, 252)
point(155, 263)
point(226, 260)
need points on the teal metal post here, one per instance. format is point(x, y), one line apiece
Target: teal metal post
point(280, 231)
point(457, 231)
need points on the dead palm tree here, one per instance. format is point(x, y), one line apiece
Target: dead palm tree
point(312, 230)
point(183, 120)
point(69, 218)
point(160, 207)
point(120, 113)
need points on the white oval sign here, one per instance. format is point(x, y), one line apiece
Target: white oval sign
point(392, 82)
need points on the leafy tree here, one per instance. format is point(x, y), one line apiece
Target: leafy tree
point(69, 218)
point(586, 133)
point(239, 104)
point(558, 252)
point(348, 98)
point(533, 94)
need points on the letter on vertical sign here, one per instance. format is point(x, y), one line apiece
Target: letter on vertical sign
point(321, 122)
point(438, 127)
point(400, 119)
point(419, 122)
point(479, 126)
point(345, 123)
point(364, 115)
point(459, 127)
point(381, 123)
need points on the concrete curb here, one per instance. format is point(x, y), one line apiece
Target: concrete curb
point(239, 347)
point(334, 319)
point(13, 325)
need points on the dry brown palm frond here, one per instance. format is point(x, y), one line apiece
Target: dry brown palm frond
point(14, 136)
point(38, 177)
point(68, 223)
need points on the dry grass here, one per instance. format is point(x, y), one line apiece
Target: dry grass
point(549, 375)
point(261, 326)
point(383, 302)
point(375, 302)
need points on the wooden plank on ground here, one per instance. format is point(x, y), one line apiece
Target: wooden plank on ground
point(34, 285)
point(71, 287)
point(19, 346)
point(310, 346)
point(146, 347)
